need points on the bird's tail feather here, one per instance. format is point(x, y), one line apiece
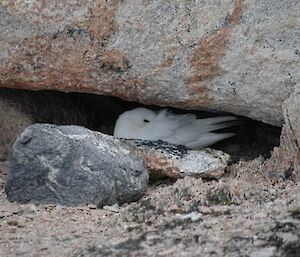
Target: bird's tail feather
point(208, 139)
point(214, 120)
point(217, 126)
point(196, 129)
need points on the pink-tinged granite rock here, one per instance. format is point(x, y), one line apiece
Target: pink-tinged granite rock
point(286, 158)
point(166, 160)
point(236, 56)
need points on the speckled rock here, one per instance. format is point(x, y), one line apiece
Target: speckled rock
point(285, 161)
point(238, 56)
point(70, 165)
point(165, 160)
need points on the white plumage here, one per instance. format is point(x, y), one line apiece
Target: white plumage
point(179, 129)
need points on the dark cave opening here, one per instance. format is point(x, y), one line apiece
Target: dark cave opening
point(96, 112)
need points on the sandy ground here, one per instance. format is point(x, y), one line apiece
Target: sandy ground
point(243, 214)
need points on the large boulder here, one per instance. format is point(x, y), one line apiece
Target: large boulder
point(71, 165)
point(239, 56)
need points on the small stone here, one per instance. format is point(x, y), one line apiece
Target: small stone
point(265, 252)
point(16, 223)
point(193, 216)
point(92, 206)
point(288, 238)
point(166, 160)
point(112, 208)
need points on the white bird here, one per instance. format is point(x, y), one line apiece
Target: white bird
point(179, 129)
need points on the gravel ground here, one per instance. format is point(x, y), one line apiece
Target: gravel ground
point(243, 214)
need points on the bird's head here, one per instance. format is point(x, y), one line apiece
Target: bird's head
point(129, 123)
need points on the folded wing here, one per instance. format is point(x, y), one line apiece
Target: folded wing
point(197, 133)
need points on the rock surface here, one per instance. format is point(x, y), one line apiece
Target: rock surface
point(285, 160)
point(70, 165)
point(238, 56)
point(165, 160)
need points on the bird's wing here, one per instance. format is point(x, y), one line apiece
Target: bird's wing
point(196, 131)
point(208, 139)
point(164, 125)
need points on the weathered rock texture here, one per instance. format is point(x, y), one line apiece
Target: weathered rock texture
point(71, 165)
point(286, 158)
point(165, 160)
point(239, 56)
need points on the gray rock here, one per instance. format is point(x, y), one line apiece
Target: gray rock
point(238, 56)
point(176, 161)
point(285, 159)
point(71, 165)
point(264, 252)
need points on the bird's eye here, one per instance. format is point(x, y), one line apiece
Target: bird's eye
point(145, 120)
